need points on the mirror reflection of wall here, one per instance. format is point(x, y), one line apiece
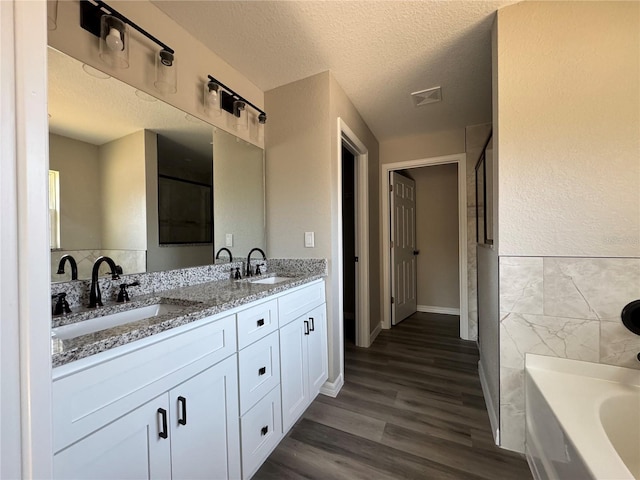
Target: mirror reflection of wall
point(239, 207)
point(104, 138)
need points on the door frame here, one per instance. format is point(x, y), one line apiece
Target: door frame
point(461, 160)
point(349, 138)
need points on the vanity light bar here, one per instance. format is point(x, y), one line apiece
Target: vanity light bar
point(91, 11)
point(228, 97)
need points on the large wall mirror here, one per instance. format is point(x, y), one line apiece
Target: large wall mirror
point(141, 181)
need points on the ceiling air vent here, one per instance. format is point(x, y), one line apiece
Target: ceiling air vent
point(423, 97)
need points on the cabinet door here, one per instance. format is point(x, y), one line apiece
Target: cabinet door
point(317, 349)
point(205, 428)
point(293, 368)
point(128, 448)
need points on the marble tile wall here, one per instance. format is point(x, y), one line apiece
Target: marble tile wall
point(131, 261)
point(561, 307)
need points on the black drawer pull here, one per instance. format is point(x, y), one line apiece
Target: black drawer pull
point(164, 432)
point(313, 327)
point(182, 415)
point(264, 430)
point(306, 327)
point(262, 371)
point(260, 322)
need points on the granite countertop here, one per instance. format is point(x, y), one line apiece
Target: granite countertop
point(199, 301)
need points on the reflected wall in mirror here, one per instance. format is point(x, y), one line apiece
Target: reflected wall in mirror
point(105, 140)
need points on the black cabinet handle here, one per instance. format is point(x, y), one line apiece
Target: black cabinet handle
point(182, 416)
point(264, 430)
point(262, 371)
point(260, 322)
point(162, 417)
point(306, 327)
point(313, 327)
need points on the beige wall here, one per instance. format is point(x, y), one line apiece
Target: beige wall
point(438, 276)
point(194, 60)
point(122, 183)
point(80, 205)
point(298, 168)
point(569, 118)
point(426, 145)
point(341, 107)
point(302, 184)
point(238, 205)
point(566, 97)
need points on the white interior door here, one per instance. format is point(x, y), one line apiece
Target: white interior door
point(403, 246)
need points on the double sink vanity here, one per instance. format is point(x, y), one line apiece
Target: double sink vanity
point(187, 380)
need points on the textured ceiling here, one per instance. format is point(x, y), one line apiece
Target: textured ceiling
point(378, 51)
point(98, 111)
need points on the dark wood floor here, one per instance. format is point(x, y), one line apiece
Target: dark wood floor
point(411, 408)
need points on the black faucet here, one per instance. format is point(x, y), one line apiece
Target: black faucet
point(72, 262)
point(123, 295)
point(62, 306)
point(224, 249)
point(95, 298)
point(264, 257)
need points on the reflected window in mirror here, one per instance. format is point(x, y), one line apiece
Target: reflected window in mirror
point(54, 209)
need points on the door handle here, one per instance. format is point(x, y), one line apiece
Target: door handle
point(182, 416)
point(264, 430)
point(162, 417)
point(262, 371)
point(416, 252)
point(306, 327)
point(260, 322)
point(313, 327)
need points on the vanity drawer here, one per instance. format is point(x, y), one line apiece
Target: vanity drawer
point(261, 431)
point(89, 398)
point(296, 304)
point(256, 322)
point(258, 370)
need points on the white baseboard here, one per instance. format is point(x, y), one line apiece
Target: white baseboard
point(493, 415)
point(442, 310)
point(331, 389)
point(375, 333)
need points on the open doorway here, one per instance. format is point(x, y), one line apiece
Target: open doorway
point(460, 161)
point(349, 258)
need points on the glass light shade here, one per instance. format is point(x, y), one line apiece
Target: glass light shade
point(241, 117)
point(166, 72)
point(212, 99)
point(114, 42)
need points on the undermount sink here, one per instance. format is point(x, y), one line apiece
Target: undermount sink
point(96, 324)
point(270, 280)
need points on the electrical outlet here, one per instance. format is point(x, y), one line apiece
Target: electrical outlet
point(228, 240)
point(309, 240)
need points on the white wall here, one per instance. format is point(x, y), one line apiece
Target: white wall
point(569, 116)
point(80, 196)
point(438, 282)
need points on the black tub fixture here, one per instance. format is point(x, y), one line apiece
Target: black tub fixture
point(631, 317)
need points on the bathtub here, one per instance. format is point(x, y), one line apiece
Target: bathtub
point(582, 420)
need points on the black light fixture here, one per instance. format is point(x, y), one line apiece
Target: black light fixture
point(111, 27)
point(231, 102)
